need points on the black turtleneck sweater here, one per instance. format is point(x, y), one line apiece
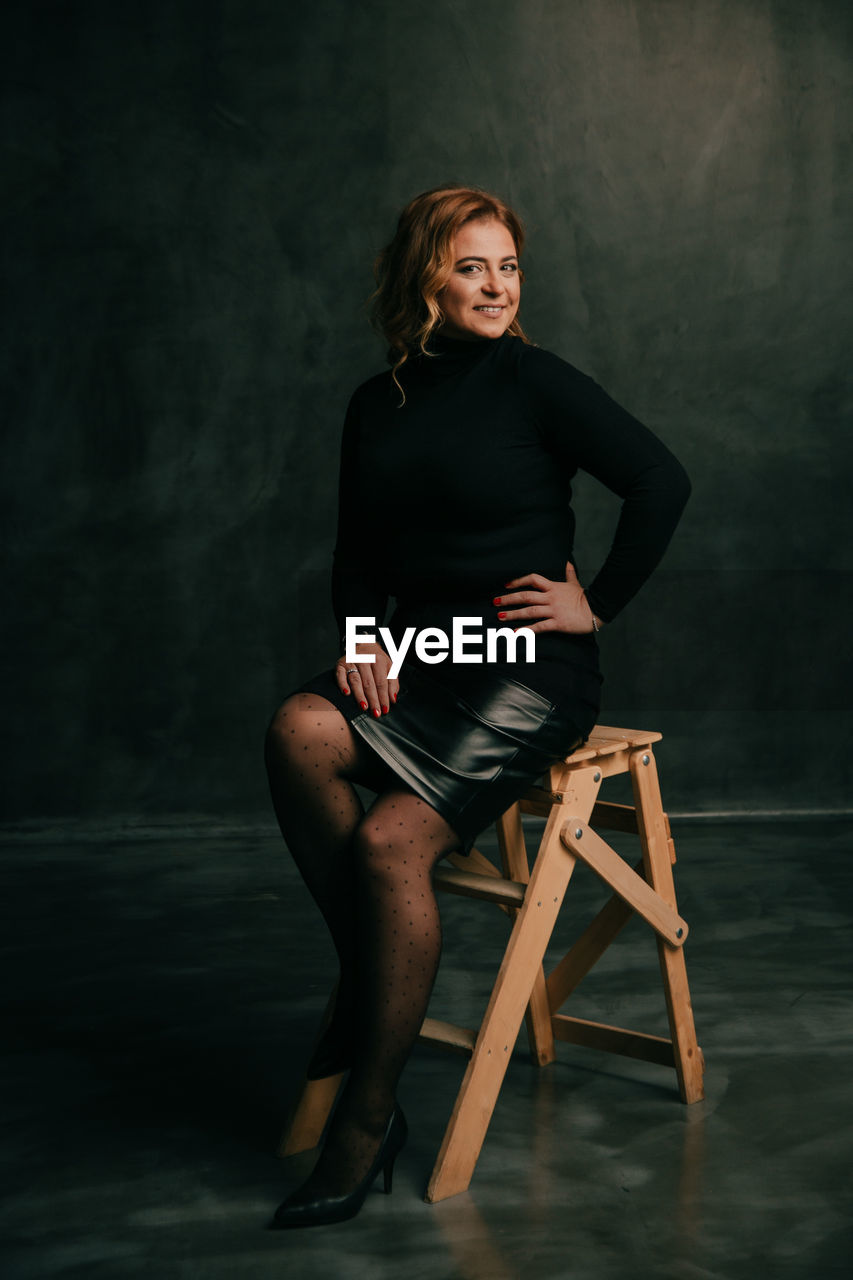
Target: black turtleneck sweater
point(468, 484)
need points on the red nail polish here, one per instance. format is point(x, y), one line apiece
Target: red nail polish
point(496, 600)
point(346, 690)
point(384, 710)
point(501, 615)
point(377, 712)
point(507, 584)
point(394, 697)
point(364, 706)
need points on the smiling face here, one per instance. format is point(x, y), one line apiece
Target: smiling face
point(481, 297)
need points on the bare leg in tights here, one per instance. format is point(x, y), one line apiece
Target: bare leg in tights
point(371, 876)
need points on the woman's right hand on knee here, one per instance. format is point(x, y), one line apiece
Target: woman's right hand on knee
point(368, 681)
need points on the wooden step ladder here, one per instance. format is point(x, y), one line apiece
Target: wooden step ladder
point(533, 897)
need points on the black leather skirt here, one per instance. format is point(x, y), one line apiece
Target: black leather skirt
point(470, 740)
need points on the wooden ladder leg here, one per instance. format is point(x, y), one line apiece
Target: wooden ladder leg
point(522, 959)
point(581, 788)
point(306, 1122)
point(537, 1015)
point(657, 862)
point(305, 1127)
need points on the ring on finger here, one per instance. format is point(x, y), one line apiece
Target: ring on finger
point(349, 670)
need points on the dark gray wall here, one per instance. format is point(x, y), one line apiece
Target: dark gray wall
point(194, 193)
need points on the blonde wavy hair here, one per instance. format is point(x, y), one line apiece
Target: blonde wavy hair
point(412, 270)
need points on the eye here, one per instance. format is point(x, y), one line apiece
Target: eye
point(510, 266)
point(469, 268)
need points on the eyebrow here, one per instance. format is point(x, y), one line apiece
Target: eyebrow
point(510, 257)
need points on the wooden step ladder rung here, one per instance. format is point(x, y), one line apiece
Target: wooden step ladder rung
point(448, 1035)
point(471, 884)
point(600, 1035)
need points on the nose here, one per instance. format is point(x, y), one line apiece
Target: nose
point(492, 284)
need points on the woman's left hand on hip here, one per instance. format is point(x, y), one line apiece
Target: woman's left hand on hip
point(541, 604)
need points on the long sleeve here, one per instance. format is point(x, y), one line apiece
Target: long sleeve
point(357, 586)
point(584, 428)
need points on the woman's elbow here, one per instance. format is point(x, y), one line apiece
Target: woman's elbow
point(680, 485)
point(667, 483)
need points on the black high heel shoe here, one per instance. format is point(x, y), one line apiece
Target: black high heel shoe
point(324, 1210)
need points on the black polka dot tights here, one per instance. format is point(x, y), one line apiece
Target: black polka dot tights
point(370, 874)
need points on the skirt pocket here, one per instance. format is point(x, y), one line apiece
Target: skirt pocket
point(431, 724)
point(506, 705)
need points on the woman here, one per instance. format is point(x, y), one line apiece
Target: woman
point(455, 500)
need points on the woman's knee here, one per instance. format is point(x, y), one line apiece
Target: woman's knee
point(396, 848)
point(281, 727)
point(379, 850)
point(299, 723)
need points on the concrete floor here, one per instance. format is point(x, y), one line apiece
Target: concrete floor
point(161, 996)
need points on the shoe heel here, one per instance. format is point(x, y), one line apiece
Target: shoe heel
point(388, 1174)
